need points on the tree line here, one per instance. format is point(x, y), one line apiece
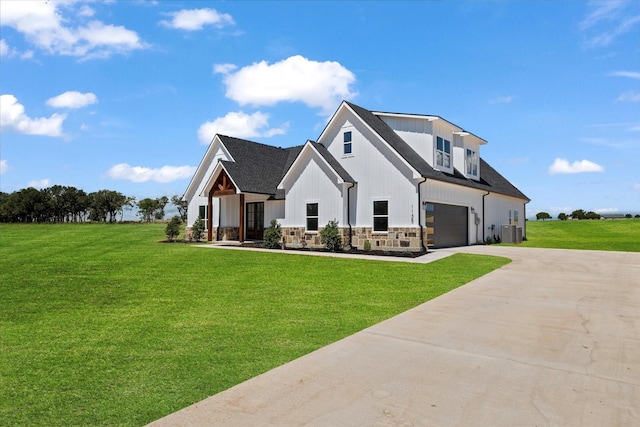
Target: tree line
point(70, 204)
point(577, 214)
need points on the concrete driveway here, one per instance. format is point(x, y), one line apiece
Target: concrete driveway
point(552, 339)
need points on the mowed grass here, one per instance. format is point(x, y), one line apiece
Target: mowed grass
point(603, 235)
point(101, 325)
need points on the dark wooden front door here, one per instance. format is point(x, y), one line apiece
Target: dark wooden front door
point(255, 221)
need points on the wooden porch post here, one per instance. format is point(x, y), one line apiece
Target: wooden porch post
point(241, 232)
point(210, 216)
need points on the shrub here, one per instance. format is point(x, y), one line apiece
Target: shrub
point(330, 236)
point(173, 228)
point(272, 235)
point(197, 229)
point(367, 246)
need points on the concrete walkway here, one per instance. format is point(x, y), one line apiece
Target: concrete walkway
point(552, 339)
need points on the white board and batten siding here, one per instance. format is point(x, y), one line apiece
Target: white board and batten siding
point(313, 181)
point(379, 172)
point(417, 132)
point(504, 210)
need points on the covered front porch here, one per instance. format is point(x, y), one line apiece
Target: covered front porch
point(241, 216)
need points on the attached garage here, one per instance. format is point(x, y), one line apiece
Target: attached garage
point(447, 225)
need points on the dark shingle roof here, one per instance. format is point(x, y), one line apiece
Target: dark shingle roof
point(258, 168)
point(342, 173)
point(490, 179)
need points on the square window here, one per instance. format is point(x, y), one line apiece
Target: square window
point(347, 136)
point(312, 209)
point(202, 212)
point(312, 224)
point(347, 148)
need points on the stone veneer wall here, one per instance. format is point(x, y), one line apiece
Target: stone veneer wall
point(396, 239)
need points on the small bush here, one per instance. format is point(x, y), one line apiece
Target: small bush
point(197, 229)
point(330, 236)
point(367, 246)
point(272, 235)
point(173, 228)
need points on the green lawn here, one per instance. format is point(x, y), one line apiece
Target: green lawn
point(604, 235)
point(101, 325)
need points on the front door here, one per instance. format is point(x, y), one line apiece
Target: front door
point(255, 221)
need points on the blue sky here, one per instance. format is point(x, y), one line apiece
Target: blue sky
point(126, 95)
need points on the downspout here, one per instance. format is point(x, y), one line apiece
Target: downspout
point(483, 217)
point(424, 248)
point(349, 212)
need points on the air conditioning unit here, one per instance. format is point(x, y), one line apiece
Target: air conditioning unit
point(508, 234)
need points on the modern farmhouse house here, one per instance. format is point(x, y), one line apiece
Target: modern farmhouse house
point(399, 181)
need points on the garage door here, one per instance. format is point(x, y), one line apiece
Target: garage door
point(447, 225)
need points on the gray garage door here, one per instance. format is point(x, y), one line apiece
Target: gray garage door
point(447, 225)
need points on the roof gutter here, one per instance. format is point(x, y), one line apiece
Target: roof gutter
point(424, 248)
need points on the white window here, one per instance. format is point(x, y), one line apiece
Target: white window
point(312, 217)
point(347, 142)
point(381, 215)
point(472, 163)
point(202, 212)
point(443, 152)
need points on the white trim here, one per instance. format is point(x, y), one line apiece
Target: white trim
point(309, 144)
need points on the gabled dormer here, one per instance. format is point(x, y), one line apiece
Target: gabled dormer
point(444, 145)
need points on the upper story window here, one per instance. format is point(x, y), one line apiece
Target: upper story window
point(312, 217)
point(471, 159)
point(347, 142)
point(443, 152)
point(380, 215)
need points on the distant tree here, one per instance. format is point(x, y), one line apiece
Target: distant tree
point(592, 215)
point(181, 205)
point(578, 214)
point(197, 229)
point(147, 208)
point(637, 216)
point(628, 216)
point(161, 203)
point(542, 216)
point(562, 216)
point(106, 204)
point(173, 228)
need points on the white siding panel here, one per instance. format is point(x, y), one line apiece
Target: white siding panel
point(500, 210)
point(380, 173)
point(313, 182)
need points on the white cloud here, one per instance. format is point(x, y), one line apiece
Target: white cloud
point(630, 96)
point(4, 167)
point(72, 99)
point(607, 20)
point(562, 166)
point(606, 210)
point(224, 68)
point(295, 79)
point(239, 125)
point(49, 26)
point(629, 74)
point(13, 117)
point(196, 19)
point(4, 48)
point(143, 174)
point(39, 183)
point(501, 100)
